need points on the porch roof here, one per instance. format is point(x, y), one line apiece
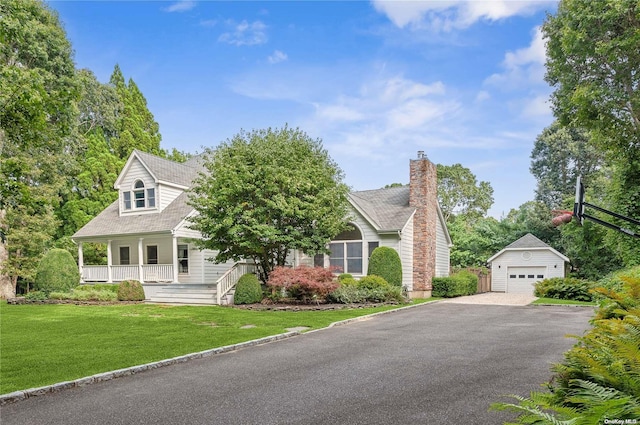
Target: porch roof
point(110, 223)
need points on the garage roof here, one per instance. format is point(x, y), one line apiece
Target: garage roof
point(528, 242)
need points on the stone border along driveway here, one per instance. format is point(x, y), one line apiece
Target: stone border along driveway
point(107, 376)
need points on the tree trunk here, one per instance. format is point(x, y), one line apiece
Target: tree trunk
point(7, 289)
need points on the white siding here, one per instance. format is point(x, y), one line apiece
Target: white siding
point(184, 231)
point(136, 172)
point(167, 194)
point(442, 251)
point(406, 255)
point(544, 257)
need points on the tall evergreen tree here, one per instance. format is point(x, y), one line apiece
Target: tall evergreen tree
point(136, 126)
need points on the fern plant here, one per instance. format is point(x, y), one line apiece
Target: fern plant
point(599, 379)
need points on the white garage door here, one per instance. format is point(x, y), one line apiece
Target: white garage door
point(520, 280)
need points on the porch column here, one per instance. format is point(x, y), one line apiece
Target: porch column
point(109, 262)
point(175, 258)
point(80, 260)
point(140, 260)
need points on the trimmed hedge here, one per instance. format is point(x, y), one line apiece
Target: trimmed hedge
point(130, 290)
point(385, 262)
point(456, 285)
point(248, 290)
point(110, 287)
point(57, 271)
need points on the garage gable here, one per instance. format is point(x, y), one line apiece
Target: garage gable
point(524, 262)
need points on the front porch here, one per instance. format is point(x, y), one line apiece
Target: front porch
point(158, 273)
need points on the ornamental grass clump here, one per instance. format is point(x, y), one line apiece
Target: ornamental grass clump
point(130, 290)
point(248, 290)
point(305, 284)
point(564, 288)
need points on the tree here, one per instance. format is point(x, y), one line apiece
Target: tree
point(460, 193)
point(268, 192)
point(593, 61)
point(136, 126)
point(559, 156)
point(38, 91)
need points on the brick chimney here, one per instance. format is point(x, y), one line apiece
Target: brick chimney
point(423, 196)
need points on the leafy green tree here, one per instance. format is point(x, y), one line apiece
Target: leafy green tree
point(592, 62)
point(460, 193)
point(268, 192)
point(38, 91)
point(474, 241)
point(136, 126)
point(559, 156)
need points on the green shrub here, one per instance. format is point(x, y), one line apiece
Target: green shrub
point(564, 288)
point(130, 290)
point(385, 262)
point(349, 281)
point(36, 296)
point(353, 294)
point(57, 272)
point(343, 276)
point(456, 285)
point(248, 290)
point(373, 282)
point(112, 287)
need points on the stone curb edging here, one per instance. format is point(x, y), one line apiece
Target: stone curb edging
point(17, 396)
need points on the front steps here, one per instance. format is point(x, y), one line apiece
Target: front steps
point(190, 294)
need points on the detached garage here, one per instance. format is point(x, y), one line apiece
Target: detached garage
point(524, 262)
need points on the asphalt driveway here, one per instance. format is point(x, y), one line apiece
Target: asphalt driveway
point(441, 363)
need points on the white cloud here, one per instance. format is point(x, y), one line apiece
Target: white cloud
point(245, 33)
point(482, 96)
point(181, 6)
point(277, 57)
point(523, 67)
point(447, 15)
point(523, 72)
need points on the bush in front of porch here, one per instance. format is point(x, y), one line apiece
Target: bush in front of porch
point(57, 271)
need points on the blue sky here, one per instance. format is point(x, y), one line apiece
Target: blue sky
point(375, 80)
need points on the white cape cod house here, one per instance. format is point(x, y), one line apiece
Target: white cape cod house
point(146, 232)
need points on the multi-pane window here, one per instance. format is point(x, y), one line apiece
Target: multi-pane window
point(138, 194)
point(151, 198)
point(141, 198)
point(346, 252)
point(127, 200)
point(183, 258)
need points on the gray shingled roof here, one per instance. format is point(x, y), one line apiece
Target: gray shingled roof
point(110, 222)
point(388, 209)
point(528, 241)
point(170, 171)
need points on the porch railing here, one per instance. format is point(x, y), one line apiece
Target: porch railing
point(150, 273)
point(95, 274)
point(230, 278)
point(120, 273)
point(157, 272)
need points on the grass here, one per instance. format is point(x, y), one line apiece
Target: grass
point(45, 344)
point(555, 301)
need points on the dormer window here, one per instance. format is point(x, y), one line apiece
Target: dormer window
point(142, 197)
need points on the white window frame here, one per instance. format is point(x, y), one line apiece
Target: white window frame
point(186, 249)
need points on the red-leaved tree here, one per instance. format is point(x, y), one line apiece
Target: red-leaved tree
point(303, 283)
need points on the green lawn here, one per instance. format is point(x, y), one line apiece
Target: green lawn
point(46, 344)
point(562, 302)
